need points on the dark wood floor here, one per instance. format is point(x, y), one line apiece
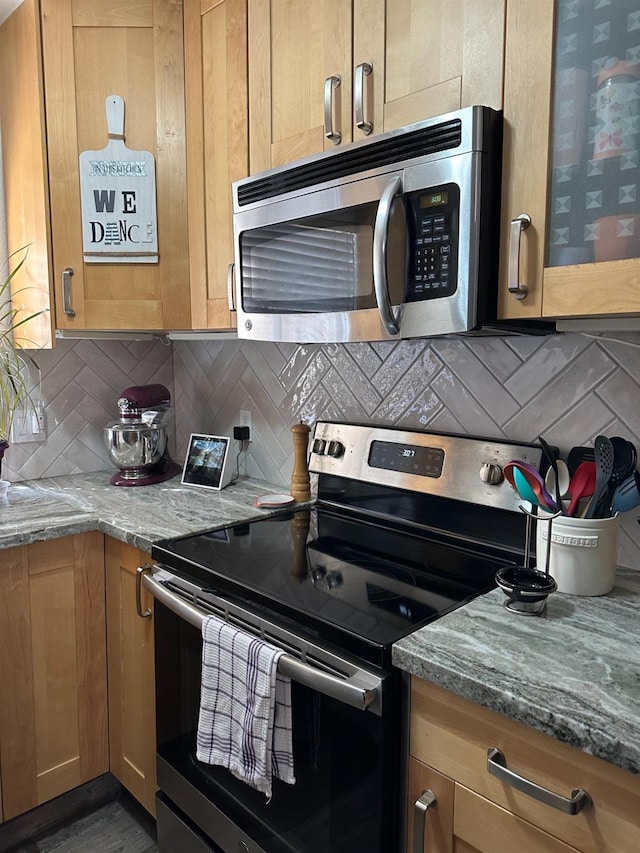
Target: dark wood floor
point(120, 826)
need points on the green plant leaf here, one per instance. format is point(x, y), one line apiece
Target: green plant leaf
point(14, 391)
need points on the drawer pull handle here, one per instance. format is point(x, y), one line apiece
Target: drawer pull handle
point(420, 809)
point(497, 766)
point(143, 614)
point(518, 225)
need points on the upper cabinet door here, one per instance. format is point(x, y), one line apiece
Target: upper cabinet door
point(571, 160)
point(92, 50)
point(438, 56)
point(298, 51)
point(216, 91)
point(25, 173)
point(411, 59)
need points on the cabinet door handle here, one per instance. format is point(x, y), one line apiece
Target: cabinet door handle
point(363, 70)
point(330, 132)
point(143, 614)
point(518, 225)
point(67, 272)
point(420, 809)
point(230, 271)
point(497, 766)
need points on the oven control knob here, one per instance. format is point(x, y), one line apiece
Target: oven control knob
point(319, 445)
point(335, 449)
point(491, 473)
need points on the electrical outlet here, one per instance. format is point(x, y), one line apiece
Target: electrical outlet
point(245, 419)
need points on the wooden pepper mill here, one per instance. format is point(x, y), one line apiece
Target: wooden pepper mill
point(300, 481)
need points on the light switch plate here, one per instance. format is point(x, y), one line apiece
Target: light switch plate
point(28, 424)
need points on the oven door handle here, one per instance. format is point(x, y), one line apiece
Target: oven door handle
point(360, 690)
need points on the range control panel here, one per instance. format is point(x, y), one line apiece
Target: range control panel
point(459, 467)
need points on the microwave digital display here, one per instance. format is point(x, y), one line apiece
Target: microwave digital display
point(434, 199)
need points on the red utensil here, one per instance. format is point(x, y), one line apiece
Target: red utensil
point(581, 485)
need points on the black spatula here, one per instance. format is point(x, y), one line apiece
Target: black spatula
point(603, 457)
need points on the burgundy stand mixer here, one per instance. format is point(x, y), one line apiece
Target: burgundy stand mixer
point(137, 440)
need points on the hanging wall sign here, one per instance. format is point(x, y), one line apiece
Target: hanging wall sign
point(118, 198)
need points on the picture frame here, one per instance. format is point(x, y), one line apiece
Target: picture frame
point(206, 463)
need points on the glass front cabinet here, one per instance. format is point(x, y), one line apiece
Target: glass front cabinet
point(571, 196)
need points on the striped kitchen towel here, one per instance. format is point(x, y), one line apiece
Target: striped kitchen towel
point(245, 707)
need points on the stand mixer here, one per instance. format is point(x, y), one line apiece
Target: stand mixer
point(137, 440)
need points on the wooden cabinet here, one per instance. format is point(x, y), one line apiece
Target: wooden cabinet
point(91, 50)
point(25, 171)
point(567, 166)
point(217, 148)
point(132, 721)
point(475, 812)
point(425, 57)
point(53, 713)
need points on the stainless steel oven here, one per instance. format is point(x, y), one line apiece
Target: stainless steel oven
point(344, 746)
point(407, 526)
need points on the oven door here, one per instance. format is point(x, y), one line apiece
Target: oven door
point(348, 736)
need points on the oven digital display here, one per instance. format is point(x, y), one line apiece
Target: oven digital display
point(408, 458)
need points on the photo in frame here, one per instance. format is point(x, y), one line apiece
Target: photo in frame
point(207, 462)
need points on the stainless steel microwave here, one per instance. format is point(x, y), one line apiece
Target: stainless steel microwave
point(389, 238)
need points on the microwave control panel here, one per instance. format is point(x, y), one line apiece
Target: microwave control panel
point(433, 258)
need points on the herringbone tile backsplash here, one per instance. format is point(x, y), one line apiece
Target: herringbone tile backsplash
point(566, 387)
point(80, 382)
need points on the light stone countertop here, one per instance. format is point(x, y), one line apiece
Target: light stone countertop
point(573, 673)
point(35, 510)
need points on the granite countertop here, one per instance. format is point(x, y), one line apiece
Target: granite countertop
point(573, 673)
point(35, 510)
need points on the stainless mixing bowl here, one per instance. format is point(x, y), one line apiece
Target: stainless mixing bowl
point(135, 448)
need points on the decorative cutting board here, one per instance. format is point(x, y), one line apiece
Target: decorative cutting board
point(118, 198)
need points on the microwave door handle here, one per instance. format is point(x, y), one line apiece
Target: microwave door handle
point(380, 236)
point(230, 283)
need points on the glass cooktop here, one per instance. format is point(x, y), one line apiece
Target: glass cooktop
point(348, 580)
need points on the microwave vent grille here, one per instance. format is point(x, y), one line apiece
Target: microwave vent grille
point(392, 149)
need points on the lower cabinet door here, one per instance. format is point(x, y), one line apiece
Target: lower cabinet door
point(132, 720)
point(53, 710)
point(435, 821)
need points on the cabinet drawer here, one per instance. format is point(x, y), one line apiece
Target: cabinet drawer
point(453, 735)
